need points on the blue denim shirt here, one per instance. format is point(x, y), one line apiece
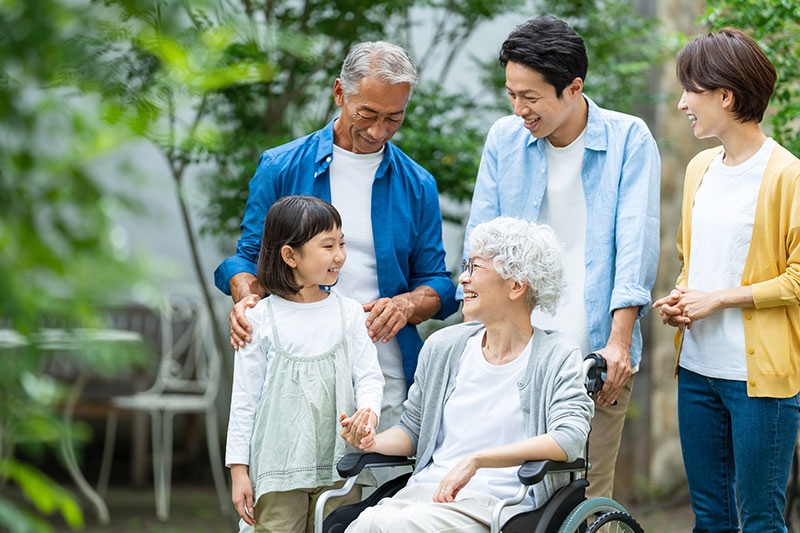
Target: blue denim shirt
point(621, 180)
point(406, 222)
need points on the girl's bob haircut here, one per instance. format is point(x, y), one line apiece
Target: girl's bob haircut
point(729, 59)
point(291, 221)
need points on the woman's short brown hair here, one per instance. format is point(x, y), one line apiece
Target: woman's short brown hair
point(729, 59)
point(292, 221)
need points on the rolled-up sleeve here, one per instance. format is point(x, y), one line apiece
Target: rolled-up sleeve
point(637, 225)
point(262, 194)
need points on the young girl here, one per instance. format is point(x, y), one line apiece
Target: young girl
point(310, 360)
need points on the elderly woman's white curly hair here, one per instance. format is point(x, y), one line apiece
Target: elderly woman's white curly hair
point(525, 252)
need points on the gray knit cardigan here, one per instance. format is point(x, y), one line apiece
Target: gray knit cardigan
point(552, 396)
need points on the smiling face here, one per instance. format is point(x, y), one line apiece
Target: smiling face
point(318, 261)
point(371, 116)
point(707, 111)
point(534, 100)
point(486, 293)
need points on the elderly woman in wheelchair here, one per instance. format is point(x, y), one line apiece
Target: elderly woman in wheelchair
point(488, 396)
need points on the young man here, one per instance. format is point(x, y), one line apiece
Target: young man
point(592, 175)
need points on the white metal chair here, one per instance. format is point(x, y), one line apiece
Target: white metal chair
point(187, 382)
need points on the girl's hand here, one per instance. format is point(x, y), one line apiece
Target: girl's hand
point(242, 490)
point(455, 480)
point(359, 430)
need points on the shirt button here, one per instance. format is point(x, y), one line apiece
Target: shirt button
point(745, 282)
point(315, 174)
point(520, 384)
point(752, 383)
point(751, 351)
point(748, 316)
point(535, 204)
point(328, 160)
point(543, 171)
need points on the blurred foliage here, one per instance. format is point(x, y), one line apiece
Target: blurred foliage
point(78, 79)
point(775, 25)
point(59, 259)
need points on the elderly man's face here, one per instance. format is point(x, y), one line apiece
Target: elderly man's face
point(371, 116)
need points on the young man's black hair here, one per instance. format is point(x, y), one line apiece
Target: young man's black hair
point(550, 47)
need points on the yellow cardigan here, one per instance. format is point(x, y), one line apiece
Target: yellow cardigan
point(772, 328)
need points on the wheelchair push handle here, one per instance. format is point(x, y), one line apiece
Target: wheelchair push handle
point(593, 367)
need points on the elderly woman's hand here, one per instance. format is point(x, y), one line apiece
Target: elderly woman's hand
point(359, 429)
point(455, 480)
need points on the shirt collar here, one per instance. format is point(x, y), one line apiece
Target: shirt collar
point(325, 150)
point(596, 138)
point(325, 145)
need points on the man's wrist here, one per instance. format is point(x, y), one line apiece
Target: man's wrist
point(244, 284)
point(406, 304)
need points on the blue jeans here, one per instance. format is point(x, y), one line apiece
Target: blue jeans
point(733, 444)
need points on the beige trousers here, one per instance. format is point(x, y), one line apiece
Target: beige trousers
point(604, 443)
point(412, 510)
point(292, 511)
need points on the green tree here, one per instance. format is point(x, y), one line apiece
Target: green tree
point(59, 259)
point(77, 80)
point(775, 25)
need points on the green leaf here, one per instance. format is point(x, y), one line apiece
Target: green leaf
point(17, 520)
point(45, 494)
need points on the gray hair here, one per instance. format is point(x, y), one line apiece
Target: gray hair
point(386, 61)
point(525, 252)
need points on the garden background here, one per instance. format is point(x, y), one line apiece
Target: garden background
point(129, 130)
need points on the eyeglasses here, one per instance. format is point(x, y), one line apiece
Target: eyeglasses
point(469, 266)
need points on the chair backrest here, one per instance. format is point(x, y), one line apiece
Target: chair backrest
point(190, 362)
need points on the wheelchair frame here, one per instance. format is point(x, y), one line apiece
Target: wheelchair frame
point(567, 511)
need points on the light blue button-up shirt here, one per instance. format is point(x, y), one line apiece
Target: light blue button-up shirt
point(621, 181)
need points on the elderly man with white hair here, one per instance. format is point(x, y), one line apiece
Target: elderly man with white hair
point(488, 395)
point(390, 215)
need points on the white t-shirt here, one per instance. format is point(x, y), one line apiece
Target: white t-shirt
point(722, 225)
point(483, 411)
point(564, 210)
point(303, 328)
point(351, 192)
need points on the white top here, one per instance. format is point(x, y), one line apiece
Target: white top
point(309, 328)
point(483, 411)
point(722, 224)
point(351, 192)
point(564, 210)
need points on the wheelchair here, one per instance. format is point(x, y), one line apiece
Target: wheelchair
point(567, 511)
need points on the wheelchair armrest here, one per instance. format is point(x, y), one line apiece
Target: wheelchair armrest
point(532, 472)
point(353, 463)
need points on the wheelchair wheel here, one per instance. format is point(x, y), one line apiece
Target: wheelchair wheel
point(587, 509)
point(615, 522)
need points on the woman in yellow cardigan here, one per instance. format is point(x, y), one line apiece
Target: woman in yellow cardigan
point(736, 302)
